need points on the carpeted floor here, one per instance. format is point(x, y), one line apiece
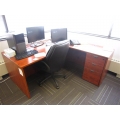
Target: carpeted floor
point(73, 91)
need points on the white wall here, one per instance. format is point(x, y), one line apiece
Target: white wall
point(3, 45)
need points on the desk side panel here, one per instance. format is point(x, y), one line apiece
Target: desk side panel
point(75, 59)
point(15, 75)
point(29, 70)
point(106, 68)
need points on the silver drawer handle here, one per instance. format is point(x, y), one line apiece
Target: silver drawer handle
point(91, 70)
point(93, 64)
point(95, 56)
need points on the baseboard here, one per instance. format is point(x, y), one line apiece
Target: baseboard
point(118, 75)
point(114, 66)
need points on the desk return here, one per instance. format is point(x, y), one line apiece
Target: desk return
point(91, 67)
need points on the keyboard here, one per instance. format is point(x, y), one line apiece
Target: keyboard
point(26, 54)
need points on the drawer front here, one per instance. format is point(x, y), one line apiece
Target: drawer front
point(94, 66)
point(91, 71)
point(94, 79)
point(95, 59)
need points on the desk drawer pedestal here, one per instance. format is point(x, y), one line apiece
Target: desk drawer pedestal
point(93, 69)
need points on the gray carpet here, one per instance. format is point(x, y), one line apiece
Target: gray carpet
point(73, 91)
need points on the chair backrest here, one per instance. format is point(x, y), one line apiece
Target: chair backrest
point(56, 55)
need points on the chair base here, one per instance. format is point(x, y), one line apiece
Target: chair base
point(53, 77)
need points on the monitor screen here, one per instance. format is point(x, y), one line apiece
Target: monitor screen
point(35, 33)
point(58, 34)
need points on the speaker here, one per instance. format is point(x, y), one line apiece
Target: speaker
point(16, 42)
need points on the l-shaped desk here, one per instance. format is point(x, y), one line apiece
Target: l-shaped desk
point(93, 62)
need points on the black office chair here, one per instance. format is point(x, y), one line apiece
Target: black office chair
point(54, 61)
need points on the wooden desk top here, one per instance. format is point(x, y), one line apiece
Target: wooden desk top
point(93, 49)
point(29, 60)
point(87, 48)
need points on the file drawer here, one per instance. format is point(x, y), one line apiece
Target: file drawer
point(91, 71)
point(94, 79)
point(95, 59)
point(94, 66)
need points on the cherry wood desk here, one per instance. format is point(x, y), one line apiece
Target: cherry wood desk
point(92, 61)
point(19, 70)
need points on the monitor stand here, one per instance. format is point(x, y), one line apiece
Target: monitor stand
point(36, 44)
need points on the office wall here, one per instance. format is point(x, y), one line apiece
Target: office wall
point(3, 70)
point(3, 45)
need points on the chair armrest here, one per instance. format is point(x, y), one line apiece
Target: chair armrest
point(48, 68)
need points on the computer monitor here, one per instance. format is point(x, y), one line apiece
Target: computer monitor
point(34, 34)
point(58, 34)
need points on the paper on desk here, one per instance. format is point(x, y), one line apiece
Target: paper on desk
point(35, 59)
point(20, 71)
point(47, 48)
point(40, 54)
point(30, 48)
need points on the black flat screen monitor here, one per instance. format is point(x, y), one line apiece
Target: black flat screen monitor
point(58, 34)
point(34, 34)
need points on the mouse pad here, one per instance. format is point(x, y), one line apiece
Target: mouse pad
point(40, 54)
